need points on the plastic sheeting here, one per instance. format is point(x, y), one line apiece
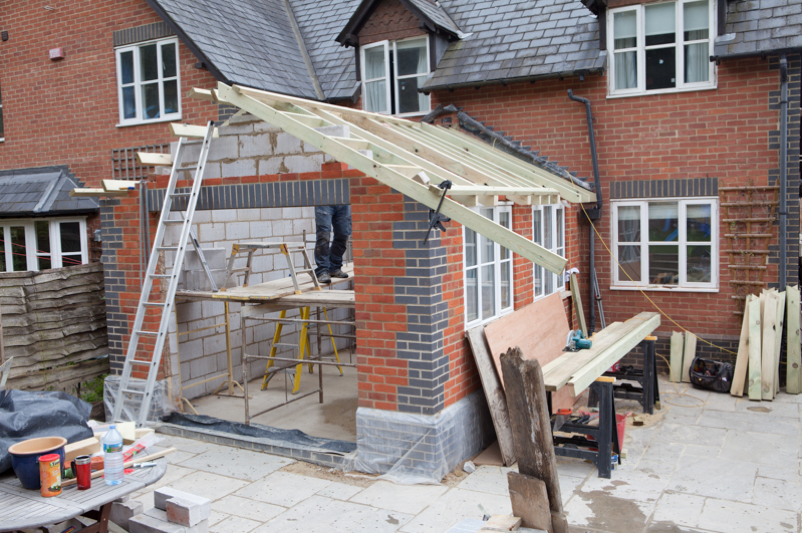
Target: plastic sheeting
point(291, 438)
point(28, 415)
point(160, 405)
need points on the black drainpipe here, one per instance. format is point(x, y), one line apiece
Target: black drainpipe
point(593, 214)
point(783, 168)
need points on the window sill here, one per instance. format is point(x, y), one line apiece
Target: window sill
point(485, 322)
point(146, 122)
point(663, 91)
point(662, 288)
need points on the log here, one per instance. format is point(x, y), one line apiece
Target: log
point(530, 422)
point(793, 379)
point(530, 501)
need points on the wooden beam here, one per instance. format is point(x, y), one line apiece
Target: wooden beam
point(504, 189)
point(85, 192)
point(793, 342)
point(740, 379)
point(356, 144)
point(768, 324)
point(154, 160)
point(118, 185)
point(461, 214)
point(309, 120)
point(676, 356)
point(755, 380)
point(202, 94)
point(580, 313)
point(687, 357)
point(560, 371)
point(190, 131)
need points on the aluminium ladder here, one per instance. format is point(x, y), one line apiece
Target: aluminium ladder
point(189, 201)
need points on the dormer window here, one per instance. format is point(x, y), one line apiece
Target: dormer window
point(392, 72)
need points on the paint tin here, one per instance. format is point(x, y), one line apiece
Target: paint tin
point(50, 475)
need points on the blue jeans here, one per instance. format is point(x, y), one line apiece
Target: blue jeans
point(330, 259)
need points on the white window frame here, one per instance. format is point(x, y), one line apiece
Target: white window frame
point(497, 261)
point(392, 81)
point(2, 134)
point(137, 83)
point(558, 280)
point(682, 243)
point(679, 45)
point(31, 255)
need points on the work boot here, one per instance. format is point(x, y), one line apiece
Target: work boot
point(338, 274)
point(324, 277)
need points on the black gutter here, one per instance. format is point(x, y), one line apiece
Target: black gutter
point(783, 169)
point(579, 73)
point(759, 53)
point(593, 214)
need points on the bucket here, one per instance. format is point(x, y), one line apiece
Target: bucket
point(25, 458)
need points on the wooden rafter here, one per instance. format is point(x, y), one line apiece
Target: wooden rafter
point(415, 173)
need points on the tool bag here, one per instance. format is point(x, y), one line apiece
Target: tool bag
point(711, 375)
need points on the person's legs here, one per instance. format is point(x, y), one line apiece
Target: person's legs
point(341, 221)
point(323, 216)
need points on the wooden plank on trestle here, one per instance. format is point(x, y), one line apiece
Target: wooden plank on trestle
point(755, 366)
point(767, 350)
point(560, 371)
point(676, 356)
point(494, 392)
point(687, 357)
point(740, 376)
point(793, 376)
point(580, 313)
point(778, 339)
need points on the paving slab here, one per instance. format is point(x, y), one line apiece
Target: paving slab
point(456, 505)
point(247, 508)
point(236, 463)
point(631, 485)
point(682, 415)
point(783, 473)
point(186, 445)
point(662, 450)
point(568, 485)
point(208, 485)
point(340, 491)
point(784, 410)
point(778, 494)
point(173, 474)
point(577, 468)
point(679, 509)
point(382, 521)
point(601, 511)
point(757, 422)
point(734, 517)
point(694, 450)
point(722, 402)
point(489, 479)
point(283, 488)
point(410, 499)
point(715, 478)
point(234, 524)
point(655, 467)
point(682, 434)
point(761, 448)
point(318, 515)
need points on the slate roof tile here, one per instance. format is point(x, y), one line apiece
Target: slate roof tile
point(40, 191)
point(763, 26)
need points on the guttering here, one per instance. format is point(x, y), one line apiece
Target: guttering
point(579, 73)
point(783, 170)
point(758, 53)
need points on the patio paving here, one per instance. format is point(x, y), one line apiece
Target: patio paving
point(709, 463)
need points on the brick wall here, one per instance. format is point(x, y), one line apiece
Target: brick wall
point(390, 20)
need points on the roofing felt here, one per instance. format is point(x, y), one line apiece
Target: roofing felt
point(760, 26)
point(40, 191)
point(250, 42)
point(509, 39)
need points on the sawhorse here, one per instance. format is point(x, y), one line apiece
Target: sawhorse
point(649, 391)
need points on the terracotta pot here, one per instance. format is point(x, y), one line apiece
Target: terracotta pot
point(25, 458)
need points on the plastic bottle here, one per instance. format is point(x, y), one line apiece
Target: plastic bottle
point(113, 457)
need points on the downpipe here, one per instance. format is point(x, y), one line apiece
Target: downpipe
point(783, 171)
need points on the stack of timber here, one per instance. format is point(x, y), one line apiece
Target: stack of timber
point(54, 327)
point(683, 350)
point(757, 367)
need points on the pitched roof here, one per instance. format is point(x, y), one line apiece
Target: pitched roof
point(40, 191)
point(430, 14)
point(509, 39)
point(757, 27)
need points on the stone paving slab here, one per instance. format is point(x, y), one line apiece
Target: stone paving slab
point(411, 499)
point(284, 489)
point(456, 505)
point(240, 464)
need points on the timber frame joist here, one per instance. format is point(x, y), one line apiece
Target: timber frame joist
point(413, 158)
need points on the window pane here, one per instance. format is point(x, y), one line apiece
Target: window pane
point(409, 99)
point(625, 30)
point(663, 222)
point(629, 259)
point(696, 23)
point(170, 97)
point(70, 237)
point(660, 23)
point(699, 264)
point(537, 237)
point(506, 284)
point(42, 230)
point(698, 224)
point(168, 60)
point(376, 96)
point(150, 100)
point(129, 103)
point(559, 228)
point(549, 283)
point(629, 224)
point(412, 57)
point(2, 251)
point(487, 247)
point(127, 67)
point(626, 70)
point(43, 262)
point(661, 68)
point(664, 265)
point(2, 131)
point(504, 220)
point(470, 248)
point(149, 66)
point(472, 291)
point(697, 62)
point(488, 291)
point(538, 281)
point(374, 63)
point(19, 259)
point(548, 238)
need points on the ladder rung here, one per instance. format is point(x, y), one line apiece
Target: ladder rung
point(155, 304)
point(173, 221)
point(142, 363)
point(306, 270)
point(180, 194)
point(148, 333)
point(167, 247)
point(161, 276)
point(130, 391)
point(285, 344)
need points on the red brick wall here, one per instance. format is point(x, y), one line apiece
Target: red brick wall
point(720, 133)
point(391, 20)
point(66, 112)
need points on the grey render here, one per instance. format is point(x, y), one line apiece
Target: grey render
point(40, 191)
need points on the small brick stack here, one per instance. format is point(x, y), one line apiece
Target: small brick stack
point(174, 511)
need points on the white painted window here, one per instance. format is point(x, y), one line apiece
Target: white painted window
point(2, 131)
point(392, 72)
point(666, 244)
point(488, 272)
point(548, 230)
point(41, 244)
point(148, 82)
point(661, 47)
